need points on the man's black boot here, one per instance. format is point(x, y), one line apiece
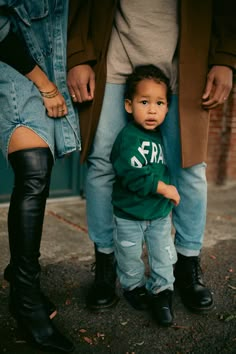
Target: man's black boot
point(188, 280)
point(102, 294)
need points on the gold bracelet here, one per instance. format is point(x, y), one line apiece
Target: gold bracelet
point(50, 94)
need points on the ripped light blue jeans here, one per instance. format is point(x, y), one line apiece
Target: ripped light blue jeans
point(188, 218)
point(129, 237)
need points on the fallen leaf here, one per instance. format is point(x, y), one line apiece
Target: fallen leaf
point(212, 257)
point(100, 335)
point(179, 327)
point(140, 343)
point(68, 302)
point(82, 330)
point(88, 340)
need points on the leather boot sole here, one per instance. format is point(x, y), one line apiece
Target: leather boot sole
point(105, 307)
point(197, 310)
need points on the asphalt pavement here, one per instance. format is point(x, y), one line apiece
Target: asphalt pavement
point(67, 256)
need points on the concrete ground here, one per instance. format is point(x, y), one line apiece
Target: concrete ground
point(66, 259)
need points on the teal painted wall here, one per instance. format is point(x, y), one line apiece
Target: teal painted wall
point(67, 178)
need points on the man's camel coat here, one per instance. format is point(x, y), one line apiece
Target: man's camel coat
point(207, 37)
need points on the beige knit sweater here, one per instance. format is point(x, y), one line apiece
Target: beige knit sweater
point(144, 32)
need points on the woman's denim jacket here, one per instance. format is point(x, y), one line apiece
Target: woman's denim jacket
point(34, 19)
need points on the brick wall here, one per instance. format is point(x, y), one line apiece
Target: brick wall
point(222, 142)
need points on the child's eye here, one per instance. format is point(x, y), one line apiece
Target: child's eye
point(144, 102)
point(159, 103)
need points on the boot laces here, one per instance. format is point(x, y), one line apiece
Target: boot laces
point(196, 271)
point(104, 269)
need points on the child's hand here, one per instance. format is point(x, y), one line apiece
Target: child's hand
point(172, 194)
point(169, 192)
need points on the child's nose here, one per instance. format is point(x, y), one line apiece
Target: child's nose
point(152, 108)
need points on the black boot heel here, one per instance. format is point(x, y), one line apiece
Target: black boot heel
point(37, 329)
point(49, 305)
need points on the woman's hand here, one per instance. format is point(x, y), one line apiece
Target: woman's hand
point(53, 100)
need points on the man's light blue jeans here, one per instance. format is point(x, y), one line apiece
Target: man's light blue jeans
point(189, 217)
point(129, 236)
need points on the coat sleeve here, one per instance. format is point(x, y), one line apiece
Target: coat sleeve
point(223, 43)
point(79, 46)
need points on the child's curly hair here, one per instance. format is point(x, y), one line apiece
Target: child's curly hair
point(143, 72)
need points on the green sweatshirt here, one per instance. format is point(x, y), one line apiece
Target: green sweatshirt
point(138, 161)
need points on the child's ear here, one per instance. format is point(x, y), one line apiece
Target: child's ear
point(128, 105)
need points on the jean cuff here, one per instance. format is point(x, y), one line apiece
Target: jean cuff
point(107, 250)
point(186, 252)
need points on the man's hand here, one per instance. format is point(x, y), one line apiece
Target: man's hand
point(81, 83)
point(218, 86)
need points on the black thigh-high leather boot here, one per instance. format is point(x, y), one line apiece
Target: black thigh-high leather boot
point(12, 216)
point(32, 170)
point(49, 305)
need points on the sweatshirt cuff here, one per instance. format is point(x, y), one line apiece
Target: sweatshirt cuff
point(154, 186)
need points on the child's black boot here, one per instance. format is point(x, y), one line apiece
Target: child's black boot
point(161, 307)
point(137, 298)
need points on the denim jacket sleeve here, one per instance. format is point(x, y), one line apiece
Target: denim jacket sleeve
point(10, 44)
point(4, 25)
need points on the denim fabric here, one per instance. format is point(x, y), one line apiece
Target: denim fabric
point(43, 24)
point(100, 175)
point(129, 236)
point(4, 26)
point(189, 217)
point(22, 107)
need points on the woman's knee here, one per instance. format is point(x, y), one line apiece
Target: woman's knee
point(25, 138)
